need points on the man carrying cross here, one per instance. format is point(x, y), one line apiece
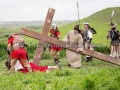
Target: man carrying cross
point(43, 38)
point(74, 37)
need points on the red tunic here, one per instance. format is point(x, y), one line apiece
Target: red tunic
point(34, 68)
point(20, 53)
point(10, 40)
point(55, 34)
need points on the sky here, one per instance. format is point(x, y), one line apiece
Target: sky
point(32, 10)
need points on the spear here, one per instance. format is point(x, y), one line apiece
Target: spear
point(112, 15)
point(78, 12)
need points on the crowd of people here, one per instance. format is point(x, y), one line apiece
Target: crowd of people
point(18, 58)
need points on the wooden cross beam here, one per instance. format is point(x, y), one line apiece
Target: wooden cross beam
point(45, 31)
point(66, 45)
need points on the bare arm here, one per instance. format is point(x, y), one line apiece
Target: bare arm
point(8, 46)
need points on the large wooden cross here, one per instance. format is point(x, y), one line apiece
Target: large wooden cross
point(66, 45)
point(46, 27)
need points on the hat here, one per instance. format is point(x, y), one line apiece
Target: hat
point(113, 25)
point(76, 27)
point(54, 25)
point(86, 23)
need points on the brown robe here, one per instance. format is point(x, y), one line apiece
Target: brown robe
point(74, 58)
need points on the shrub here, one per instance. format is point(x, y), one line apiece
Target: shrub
point(102, 49)
point(31, 50)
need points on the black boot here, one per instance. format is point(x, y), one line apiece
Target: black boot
point(87, 59)
point(90, 58)
point(7, 63)
point(69, 65)
point(56, 61)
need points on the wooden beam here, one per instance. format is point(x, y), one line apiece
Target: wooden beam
point(45, 31)
point(48, 21)
point(92, 53)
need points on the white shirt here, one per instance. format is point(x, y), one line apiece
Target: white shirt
point(89, 34)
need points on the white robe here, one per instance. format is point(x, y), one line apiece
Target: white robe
point(74, 58)
point(18, 66)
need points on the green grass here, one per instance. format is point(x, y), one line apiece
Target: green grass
point(99, 20)
point(3, 33)
point(96, 75)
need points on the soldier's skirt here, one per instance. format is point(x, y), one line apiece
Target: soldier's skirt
point(19, 54)
point(115, 42)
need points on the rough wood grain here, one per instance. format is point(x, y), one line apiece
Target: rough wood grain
point(92, 53)
point(46, 27)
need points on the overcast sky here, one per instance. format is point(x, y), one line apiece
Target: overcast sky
point(30, 10)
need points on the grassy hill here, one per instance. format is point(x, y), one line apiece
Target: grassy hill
point(95, 75)
point(9, 27)
point(100, 21)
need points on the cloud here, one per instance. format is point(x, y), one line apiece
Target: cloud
point(28, 10)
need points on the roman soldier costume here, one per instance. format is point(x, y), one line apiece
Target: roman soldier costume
point(87, 40)
point(54, 49)
point(17, 50)
point(114, 36)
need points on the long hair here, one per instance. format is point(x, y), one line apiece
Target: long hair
point(79, 31)
point(93, 30)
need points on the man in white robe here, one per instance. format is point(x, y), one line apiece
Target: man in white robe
point(74, 37)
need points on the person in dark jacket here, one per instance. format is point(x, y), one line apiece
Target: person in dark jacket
point(114, 36)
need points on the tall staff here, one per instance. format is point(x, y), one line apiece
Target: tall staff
point(78, 13)
point(112, 14)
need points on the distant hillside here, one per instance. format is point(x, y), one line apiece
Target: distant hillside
point(100, 21)
point(33, 23)
point(9, 27)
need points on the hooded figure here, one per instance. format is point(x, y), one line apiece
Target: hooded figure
point(74, 37)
